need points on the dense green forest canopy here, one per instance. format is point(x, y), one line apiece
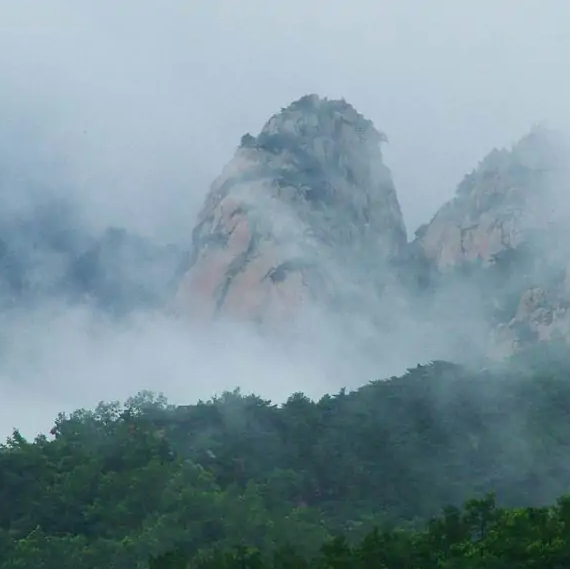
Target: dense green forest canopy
point(478, 536)
point(115, 486)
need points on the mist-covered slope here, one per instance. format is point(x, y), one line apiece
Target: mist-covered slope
point(305, 214)
point(505, 235)
point(498, 205)
point(305, 217)
point(124, 482)
point(48, 254)
point(302, 233)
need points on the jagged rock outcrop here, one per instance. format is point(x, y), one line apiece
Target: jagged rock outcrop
point(304, 223)
point(508, 227)
point(304, 212)
point(497, 205)
point(306, 215)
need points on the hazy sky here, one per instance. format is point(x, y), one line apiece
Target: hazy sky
point(140, 103)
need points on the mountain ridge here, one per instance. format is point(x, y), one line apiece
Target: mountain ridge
point(302, 234)
point(497, 211)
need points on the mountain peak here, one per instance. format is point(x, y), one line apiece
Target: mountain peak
point(497, 203)
point(307, 197)
point(312, 116)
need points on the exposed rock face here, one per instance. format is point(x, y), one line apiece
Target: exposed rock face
point(507, 221)
point(304, 211)
point(542, 315)
point(305, 215)
point(496, 205)
point(304, 224)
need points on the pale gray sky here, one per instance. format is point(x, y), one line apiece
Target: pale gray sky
point(142, 102)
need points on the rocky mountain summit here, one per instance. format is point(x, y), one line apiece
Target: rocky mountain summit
point(302, 232)
point(506, 231)
point(498, 205)
point(306, 214)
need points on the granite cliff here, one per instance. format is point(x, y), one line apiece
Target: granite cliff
point(304, 221)
point(506, 231)
point(304, 214)
point(497, 206)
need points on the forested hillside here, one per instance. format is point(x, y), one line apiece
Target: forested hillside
point(115, 486)
point(284, 285)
